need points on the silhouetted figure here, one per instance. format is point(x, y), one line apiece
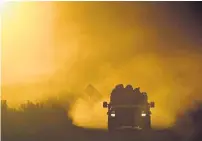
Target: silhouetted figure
point(144, 97)
point(137, 96)
point(137, 90)
point(116, 95)
point(128, 95)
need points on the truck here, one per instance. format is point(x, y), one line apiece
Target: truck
point(128, 108)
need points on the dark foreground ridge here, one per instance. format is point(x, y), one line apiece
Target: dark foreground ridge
point(49, 122)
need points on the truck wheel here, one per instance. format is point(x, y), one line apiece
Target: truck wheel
point(111, 125)
point(147, 123)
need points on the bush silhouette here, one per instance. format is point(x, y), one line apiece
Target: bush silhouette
point(38, 120)
point(190, 123)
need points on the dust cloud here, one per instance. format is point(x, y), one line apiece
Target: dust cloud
point(68, 45)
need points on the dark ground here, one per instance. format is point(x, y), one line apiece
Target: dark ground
point(49, 122)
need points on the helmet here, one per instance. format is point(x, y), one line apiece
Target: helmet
point(144, 93)
point(137, 89)
point(119, 86)
point(129, 87)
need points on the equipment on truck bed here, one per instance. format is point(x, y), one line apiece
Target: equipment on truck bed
point(128, 107)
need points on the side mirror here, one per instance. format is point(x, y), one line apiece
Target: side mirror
point(152, 104)
point(105, 105)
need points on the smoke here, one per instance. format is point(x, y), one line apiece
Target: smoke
point(153, 46)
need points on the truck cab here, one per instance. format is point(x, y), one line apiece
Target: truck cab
point(128, 108)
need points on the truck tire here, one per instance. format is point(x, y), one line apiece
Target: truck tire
point(111, 125)
point(147, 123)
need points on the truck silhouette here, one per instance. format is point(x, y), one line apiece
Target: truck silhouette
point(128, 107)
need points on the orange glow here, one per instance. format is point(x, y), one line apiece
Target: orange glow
point(50, 48)
point(27, 49)
point(27, 53)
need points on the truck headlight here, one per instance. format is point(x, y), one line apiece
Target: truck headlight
point(143, 114)
point(113, 114)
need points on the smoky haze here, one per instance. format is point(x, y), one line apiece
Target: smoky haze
point(154, 46)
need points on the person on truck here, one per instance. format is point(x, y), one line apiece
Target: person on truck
point(137, 90)
point(128, 99)
point(129, 88)
point(144, 97)
point(116, 94)
point(136, 96)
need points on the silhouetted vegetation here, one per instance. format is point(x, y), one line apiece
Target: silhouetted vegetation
point(189, 124)
point(196, 118)
point(37, 121)
point(49, 121)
